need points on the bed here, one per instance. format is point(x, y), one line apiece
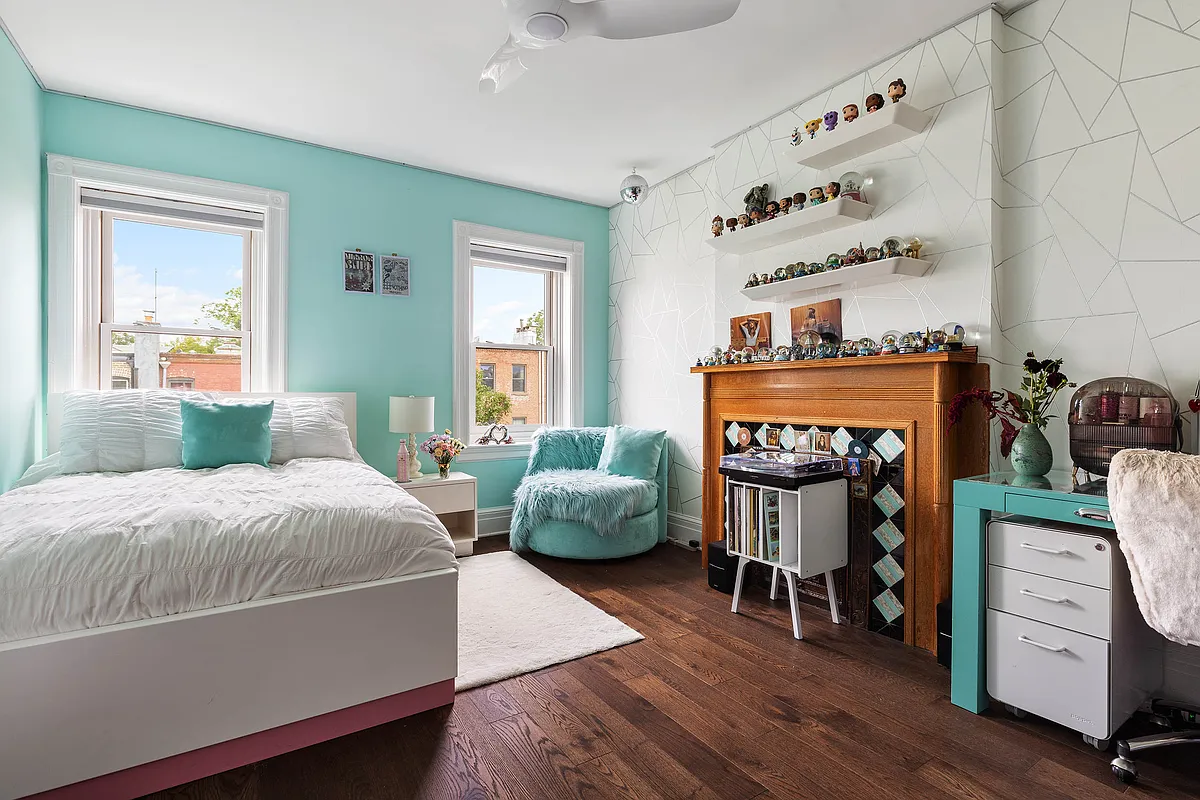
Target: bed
point(163, 625)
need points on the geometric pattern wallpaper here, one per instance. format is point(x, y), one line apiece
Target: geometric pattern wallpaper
point(671, 295)
point(1057, 190)
point(1100, 155)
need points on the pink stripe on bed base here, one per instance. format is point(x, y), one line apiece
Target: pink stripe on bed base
point(172, 771)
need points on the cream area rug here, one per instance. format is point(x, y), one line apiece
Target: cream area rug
point(513, 618)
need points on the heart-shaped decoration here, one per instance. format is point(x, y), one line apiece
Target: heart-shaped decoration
point(1194, 405)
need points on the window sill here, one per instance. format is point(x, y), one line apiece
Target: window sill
point(495, 452)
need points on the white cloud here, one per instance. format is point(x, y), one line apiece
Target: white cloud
point(133, 295)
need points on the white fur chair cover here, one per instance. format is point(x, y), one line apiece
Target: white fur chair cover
point(1155, 502)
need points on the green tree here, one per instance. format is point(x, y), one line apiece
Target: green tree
point(193, 344)
point(491, 406)
point(538, 321)
point(226, 313)
point(122, 338)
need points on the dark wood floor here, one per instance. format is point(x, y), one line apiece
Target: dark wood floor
point(711, 705)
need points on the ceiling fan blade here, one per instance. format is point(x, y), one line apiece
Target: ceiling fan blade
point(638, 19)
point(504, 68)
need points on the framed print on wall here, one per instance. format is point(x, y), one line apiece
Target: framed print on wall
point(358, 272)
point(393, 275)
point(751, 330)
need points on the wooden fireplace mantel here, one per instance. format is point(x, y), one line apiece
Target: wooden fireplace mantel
point(907, 392)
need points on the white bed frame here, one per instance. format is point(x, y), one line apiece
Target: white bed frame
point(116, 699)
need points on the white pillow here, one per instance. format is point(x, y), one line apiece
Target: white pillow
point(309, 427)
point(122, 431)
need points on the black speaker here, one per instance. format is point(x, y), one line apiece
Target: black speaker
point(945, 617)
point(722, 568)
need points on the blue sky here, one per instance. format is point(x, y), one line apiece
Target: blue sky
point(194, 267)
point(503, 297)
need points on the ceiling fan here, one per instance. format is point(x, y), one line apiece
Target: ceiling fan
point(538, 24)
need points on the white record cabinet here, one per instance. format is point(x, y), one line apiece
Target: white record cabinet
point(800, 532)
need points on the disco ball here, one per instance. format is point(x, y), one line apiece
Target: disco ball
point(634, 189)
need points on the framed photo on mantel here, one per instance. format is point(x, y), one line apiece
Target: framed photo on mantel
point(751, 330)
point(825, 318)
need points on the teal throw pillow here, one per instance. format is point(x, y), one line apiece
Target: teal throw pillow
point(632, 452)
point(216, 434)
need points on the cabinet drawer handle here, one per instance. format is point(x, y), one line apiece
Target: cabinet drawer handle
point(1026, 640)
point(1094, 514)
point(1047, 598)
point(1052, 552)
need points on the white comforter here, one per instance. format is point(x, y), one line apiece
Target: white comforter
point(81, 551)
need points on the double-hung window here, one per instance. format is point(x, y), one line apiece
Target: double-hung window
point(160, 281)
point(517, 339)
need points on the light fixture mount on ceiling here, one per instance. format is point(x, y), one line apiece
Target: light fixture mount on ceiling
point(538, 24)
point(546, 27)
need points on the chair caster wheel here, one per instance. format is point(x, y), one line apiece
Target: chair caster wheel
point(1019, 713)
point(1124, 770)
point(1099, 744)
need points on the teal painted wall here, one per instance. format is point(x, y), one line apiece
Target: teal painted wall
point(375, 346)
point(20, 266)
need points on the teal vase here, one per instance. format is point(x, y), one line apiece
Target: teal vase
point(1031, 454)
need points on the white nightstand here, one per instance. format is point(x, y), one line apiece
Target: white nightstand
point(453, 500)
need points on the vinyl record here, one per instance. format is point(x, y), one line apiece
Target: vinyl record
point(743, 436)
point(857, 449)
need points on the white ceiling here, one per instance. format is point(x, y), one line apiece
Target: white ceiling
point(398, 79)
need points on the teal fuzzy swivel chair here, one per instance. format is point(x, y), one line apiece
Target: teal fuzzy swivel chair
point(591, 493)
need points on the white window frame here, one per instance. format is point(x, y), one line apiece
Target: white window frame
point(75, 286)
point(566, 376)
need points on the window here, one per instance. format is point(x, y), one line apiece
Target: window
point(163, 281)
point(518, 342)
point(168, 287)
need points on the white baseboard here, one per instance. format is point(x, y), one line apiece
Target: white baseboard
point(494, 521)
point(682, 529)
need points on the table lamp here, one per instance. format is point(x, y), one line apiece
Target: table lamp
point(411, 415)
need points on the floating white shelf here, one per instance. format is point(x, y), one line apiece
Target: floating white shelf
point(889, 270)
point(893, 123)
point(809, 221)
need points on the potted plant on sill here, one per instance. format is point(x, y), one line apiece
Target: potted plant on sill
point(1022, 416)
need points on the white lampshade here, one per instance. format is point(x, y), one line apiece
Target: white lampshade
point(410, 414)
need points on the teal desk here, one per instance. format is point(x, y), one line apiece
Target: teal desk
point(975, 501)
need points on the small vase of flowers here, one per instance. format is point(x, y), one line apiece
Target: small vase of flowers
point(444, 448)
point(1022, 416)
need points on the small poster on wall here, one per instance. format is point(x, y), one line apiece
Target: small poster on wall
point(358, 271)
point(825, 318)
point(752, 330)
point(393, 271)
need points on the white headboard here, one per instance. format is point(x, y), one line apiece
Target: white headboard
point(349, 402)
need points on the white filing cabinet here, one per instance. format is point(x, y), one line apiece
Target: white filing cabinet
point(1065, 639)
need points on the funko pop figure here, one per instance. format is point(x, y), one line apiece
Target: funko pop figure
point(850, 113)
point(718, 225)
point(753, 280)
point(832, 190)
point(812, 126)
point(798, 200)
point(797, 137)
point(874, 102)
point(785, 205)
point(731, 224)
point(816, 196)
point(897, 89)
point(744, 220)
point(831, 120)
point(772, 209)
point(757, 216)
